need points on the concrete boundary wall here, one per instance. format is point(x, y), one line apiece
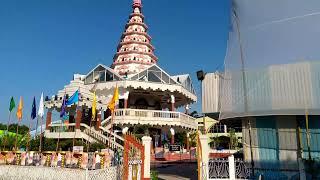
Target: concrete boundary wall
point(8, 172)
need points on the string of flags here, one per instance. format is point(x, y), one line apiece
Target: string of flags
point(65, 103)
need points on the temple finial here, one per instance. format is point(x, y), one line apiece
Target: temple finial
point(137, 3)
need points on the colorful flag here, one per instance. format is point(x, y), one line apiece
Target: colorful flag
point(19, 111)
point(12, 104)
point(94, 106)
point(63, 107)
point(41, 107)
point(112, 104)
point(73, 99)
point(34, 109)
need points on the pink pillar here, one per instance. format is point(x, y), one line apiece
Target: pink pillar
point(78, 118)
point(188, 145)
point(48, 119)
point(172, 138)
point(98, 123)
point(125, 103)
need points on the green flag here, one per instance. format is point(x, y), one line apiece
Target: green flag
point(12, 104)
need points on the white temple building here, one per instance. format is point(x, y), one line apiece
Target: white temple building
point(148, 95)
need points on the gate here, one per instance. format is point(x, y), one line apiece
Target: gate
point(133, 157)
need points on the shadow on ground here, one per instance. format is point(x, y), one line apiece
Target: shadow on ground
point(173, 171)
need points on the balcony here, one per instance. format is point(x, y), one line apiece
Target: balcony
point(154, 117)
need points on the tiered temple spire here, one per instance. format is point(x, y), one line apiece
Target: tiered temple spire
point(135, 51)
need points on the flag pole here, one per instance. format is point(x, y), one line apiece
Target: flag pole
point(7, 132)
point(37, 123)
point(40, 113)
point(15, 145)
point(40, 146)
point(89, 136)
point(111, 126)
point(59, 136)
point(74, 135)
point(94, 99)
point(29, 136)
point(61, 119)
point(114, 100)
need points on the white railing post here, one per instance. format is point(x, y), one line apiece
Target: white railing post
point(232, 169)
point(87, 174)
point(146, 141)
point(205, 149)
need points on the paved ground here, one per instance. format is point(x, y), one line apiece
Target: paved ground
point(176, 171)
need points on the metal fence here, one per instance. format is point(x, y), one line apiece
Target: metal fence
point(242, 169)
point(231, 168)
point(218, 169)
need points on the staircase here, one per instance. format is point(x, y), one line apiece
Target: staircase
point(103, 135)
point(112, 140)
point(106, 123)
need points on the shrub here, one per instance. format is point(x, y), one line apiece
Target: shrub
point(154, 175)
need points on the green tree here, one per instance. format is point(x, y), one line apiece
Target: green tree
point(9, 141)
point(193, 139)
point(22, 129)
point(233, 139)
point(96, 146)
point(180, 137)
point(3, 126)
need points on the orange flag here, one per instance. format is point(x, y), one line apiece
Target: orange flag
point(114, 100)
point(19, 110)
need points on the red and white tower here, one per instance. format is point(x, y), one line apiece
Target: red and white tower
point(135, 52)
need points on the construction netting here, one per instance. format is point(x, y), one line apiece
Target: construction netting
point(272, 63)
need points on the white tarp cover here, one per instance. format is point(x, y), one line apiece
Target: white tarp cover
point(280, 45)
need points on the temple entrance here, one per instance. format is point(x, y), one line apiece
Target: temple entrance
point(141, 103)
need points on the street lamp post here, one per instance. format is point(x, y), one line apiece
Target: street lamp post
point(201, 75)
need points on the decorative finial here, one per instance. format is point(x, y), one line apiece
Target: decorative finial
point(137, 3)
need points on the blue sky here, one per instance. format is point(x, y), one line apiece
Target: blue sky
point(44, 42)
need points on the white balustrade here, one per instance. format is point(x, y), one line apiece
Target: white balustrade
point(60, 127)
point(97, 135)
point(154, 116)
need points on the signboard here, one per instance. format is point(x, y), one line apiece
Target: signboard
point(174, 148)
point(77, 149)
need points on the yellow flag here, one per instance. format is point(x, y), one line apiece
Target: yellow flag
point(19, 110)
point(94, 106)
point(114, 100)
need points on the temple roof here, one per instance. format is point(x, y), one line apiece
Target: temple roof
point(135, 52)
point(185, 81)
